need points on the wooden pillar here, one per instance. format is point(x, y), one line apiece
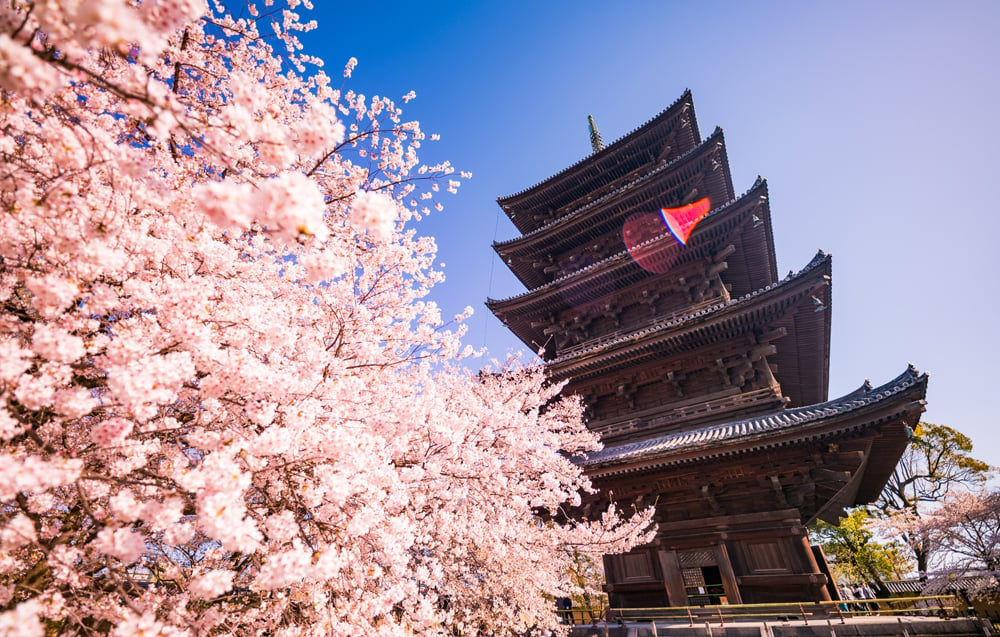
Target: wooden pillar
point(729, 583)
point(824, 595)
point(672, 578)
point(610, 579)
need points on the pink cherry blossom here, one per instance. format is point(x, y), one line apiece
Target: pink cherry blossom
point(13, 360)
point(20, 530)
point(52, 292)
point(23, 621)
point(120, 543)
point(9, 426)
point(374, 213)
point(55, 344)
point(111, 432)
point(293, 203)
point(211, 584)
point(145, 625)
point(229, 407)
point(227, 203)
point(20, 71)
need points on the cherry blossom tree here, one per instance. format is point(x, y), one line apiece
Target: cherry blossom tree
point(966, 530)
point(963, 534)
point(227, 406)
point(937, 463)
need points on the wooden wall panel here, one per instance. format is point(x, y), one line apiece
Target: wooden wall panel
point(766, 558)
point(637, 567)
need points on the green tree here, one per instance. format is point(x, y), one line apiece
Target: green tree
point(857, 556)
point(586, 578)
point(938, 461)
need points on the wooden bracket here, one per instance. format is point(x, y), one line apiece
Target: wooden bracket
point(779, 493)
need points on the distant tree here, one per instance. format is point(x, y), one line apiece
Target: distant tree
point(586, 574)
point(963, 533)
point(966, 527)
point(856, 553)
point(938, 462)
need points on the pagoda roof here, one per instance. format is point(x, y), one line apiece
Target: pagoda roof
point(673, 132)
point(902, 397)
point(752, 268)
point(607, 213)
point(802, 360)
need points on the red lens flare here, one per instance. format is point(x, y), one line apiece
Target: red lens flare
point(646, 238)
point(681, 221)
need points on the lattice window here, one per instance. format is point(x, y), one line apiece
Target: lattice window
point(700, 557)
point(692, 577)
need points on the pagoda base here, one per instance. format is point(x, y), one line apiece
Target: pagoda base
point(741, 559)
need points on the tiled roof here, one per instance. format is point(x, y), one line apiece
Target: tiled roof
point(715, 137)
point(623, 256)
point(678, 319)
point(945, 583)
point(758, 427)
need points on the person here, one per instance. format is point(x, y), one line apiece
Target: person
point(863, 591)
point(846, 595)
point(564, 606)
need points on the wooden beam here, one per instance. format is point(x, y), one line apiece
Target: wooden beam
point(706, 492)
point(850, 458)
point(797, 495)
point(779, 493)
point(829, 475)
point(721, 255)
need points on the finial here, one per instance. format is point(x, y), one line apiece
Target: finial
point(595, 135)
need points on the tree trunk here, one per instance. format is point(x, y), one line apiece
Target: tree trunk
point(921, 556)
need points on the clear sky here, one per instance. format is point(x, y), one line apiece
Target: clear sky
point(875, 123)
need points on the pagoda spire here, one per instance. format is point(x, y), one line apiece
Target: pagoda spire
point(595, 135)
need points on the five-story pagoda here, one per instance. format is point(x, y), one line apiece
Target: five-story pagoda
point(704, 372)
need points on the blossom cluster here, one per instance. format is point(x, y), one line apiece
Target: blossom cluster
point(227, 406)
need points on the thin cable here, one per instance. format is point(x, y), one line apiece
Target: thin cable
point(493, 262)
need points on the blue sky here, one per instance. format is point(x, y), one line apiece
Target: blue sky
point(875, 124)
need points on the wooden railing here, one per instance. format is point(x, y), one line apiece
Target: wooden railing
point(930, 605)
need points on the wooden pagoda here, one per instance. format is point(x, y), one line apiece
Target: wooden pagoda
point(704, 373)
